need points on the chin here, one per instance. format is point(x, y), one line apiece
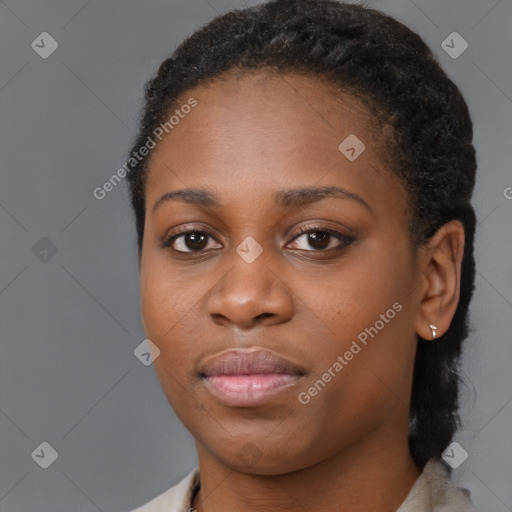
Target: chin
point(258, 454)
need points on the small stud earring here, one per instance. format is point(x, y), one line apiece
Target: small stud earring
point(434, 330)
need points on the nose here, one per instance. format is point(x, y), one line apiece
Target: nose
point(250, 293)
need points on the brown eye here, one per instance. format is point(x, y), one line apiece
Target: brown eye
point(321, 238)
point(188, 241)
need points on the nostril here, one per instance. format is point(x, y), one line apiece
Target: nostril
point(265, 315)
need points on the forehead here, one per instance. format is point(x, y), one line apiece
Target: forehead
point(277, 127)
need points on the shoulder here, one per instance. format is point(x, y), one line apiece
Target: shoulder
point(444, 497)
point(175, 499)
point(433, 492)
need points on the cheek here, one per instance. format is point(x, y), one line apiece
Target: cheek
point(166, 298)
point(172, 310)
point(163, 310)
point(164, 316)
point(354, 297)
point(363, 308)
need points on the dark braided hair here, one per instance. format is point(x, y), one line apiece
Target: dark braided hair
point(428, 142)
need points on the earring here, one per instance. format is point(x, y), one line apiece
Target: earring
point(434, 330)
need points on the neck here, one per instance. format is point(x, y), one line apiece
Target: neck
point(375, 475)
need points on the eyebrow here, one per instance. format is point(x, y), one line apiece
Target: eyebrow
point(292, 198)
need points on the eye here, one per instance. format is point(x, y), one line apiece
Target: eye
point(190, 241)
point(321, 238)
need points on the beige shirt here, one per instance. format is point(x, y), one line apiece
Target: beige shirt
point(431, 492)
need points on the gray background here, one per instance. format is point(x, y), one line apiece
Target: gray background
point(70, 321)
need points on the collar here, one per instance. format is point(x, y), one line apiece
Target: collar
point(431, 492)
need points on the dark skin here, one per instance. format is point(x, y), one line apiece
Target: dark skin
point(250, 136)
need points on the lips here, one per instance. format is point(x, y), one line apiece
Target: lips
point(248, 377)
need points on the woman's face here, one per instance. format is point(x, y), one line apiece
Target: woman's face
point(279, 349)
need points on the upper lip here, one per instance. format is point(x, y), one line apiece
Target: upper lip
point(238, 361)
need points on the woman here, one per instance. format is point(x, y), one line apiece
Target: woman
point(305, 238)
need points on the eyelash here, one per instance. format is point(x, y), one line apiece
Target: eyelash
point(345, 240)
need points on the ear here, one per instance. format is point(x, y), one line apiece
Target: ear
point(441, 264)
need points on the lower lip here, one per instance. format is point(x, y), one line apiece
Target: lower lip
point(249, 390)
